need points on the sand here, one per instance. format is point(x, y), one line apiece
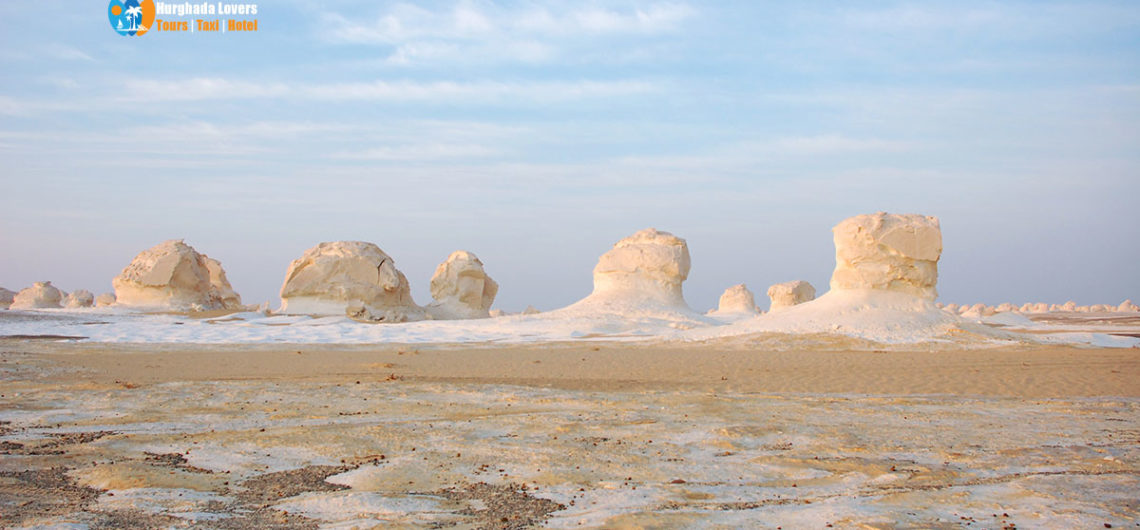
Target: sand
point(1019, 371)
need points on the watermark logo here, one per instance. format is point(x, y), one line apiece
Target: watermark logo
point(131, 17)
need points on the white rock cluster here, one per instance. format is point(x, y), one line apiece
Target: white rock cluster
point(173, 276)
point(788, 294)
point(980, 309)
point(889, 252)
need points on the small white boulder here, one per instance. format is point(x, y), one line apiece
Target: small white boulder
point(79, 298)
point(788, 294)
point(736, 300)
point(105, 299)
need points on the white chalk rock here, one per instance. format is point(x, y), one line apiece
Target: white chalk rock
point(6, 297)
point(888, 252)
point(79, 298)
point(461, 288)
point(334, 277)
point(1127, 307)
point(41, 295)
point(788, 294)
point(221, 285)
point(105, 299)
point(736, 300)
point(636, 283)
point(647, 266)
point(172, 275)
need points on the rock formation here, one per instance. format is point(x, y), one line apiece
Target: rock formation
point(41, 295)
point(335, 277)
point(172, 275)
point(6, 297)
point(105, 299)
point(788, 294)
point(221, 284)
point(646, 267)
point(79, 298)
point(461, 288)
point(888, 252)
point(1127, 307)
point(736, 300)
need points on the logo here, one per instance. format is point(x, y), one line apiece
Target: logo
point(131, 17)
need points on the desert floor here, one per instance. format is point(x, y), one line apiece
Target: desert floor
point(773, 432)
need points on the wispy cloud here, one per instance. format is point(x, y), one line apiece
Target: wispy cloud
point(429, 152)
point(466, 31)
point(835, 144)
point(197, 89)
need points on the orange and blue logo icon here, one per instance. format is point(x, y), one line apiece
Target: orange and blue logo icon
point(131, 17)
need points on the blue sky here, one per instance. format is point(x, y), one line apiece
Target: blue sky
point(536, 134)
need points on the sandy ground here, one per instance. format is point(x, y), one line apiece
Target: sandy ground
point(1022, 371)
point(761, 433)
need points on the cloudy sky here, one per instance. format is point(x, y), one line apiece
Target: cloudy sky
point(536, 134)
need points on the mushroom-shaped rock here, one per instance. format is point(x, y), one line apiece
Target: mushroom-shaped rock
point(888, 252)
point(79, 298)
point(334, 277)
point(172, 275)
point(788, 294)
point(461, 288)
point(736, 300)
point(647, 266)
point(105, 299)
point(6, 297)
point(41, 295)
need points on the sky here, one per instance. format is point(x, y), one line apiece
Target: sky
point(537, 134)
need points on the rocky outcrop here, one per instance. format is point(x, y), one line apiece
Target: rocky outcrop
point(174, 276)
point(79, 298)
point(105, 299)
point(888, 252)
point(736, 300)
point(41, 295)
point(348, 277)
point(788, 294)
point(6, 297)
point(648, 266)
point(461, 289)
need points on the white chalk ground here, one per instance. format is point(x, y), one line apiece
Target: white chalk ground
point(613, 459)
point(876, 316)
